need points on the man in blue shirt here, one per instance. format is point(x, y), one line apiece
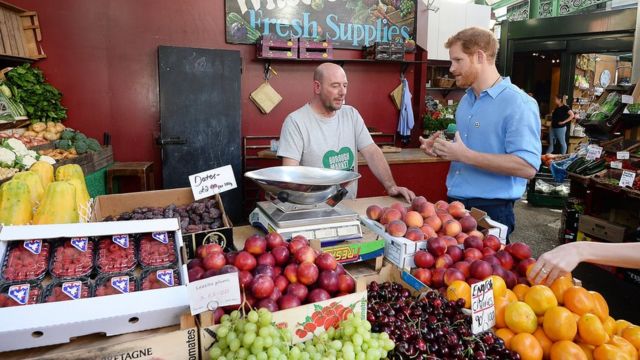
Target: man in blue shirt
point(497, 146)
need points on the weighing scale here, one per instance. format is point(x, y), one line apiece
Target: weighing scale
point(304, 201)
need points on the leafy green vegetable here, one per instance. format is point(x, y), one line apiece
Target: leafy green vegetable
point(93, 144)
point(63, 144)
point(67, 134)
point(40, 100)
point(81, 146)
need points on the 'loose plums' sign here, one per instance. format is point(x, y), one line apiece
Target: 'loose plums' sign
point(211, 182)
point(349, 24)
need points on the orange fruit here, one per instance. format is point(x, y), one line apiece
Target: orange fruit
point(505, 334)
point(460, 290)
point(500, 304)
point(632, 334)
point(510, 295)
point(566, 350)
point(610, 352)
point(540, 319)
point(578, 300)
point(609, 326)
point(560, 285)
point(600, 306)
point(626, 346)
point(591, 330)
point(520, 318)
point(526, 346)
point(499, 286)
point(559, 324)
point(520, 290)
point(620, 326)
point(587, 349)
point(540, 298)
point(544, 341)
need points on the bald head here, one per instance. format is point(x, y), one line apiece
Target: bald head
point(329, 88)
point(326, 69)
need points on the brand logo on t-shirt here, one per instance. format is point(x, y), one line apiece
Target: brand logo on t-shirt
point(342, 160)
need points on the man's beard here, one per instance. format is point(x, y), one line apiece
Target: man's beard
point(466, 79)
point(330, 106)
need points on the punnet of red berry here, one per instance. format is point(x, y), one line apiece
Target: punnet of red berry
point(20, 294)
point(159, 279)
point(157, 249)
point(26, 261)
point(73, 258)
point(68, 290)
point(116, 254)
point(116, 284)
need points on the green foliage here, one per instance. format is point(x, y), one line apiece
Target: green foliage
point(63, 144)
point(93, 144)
point(40, 100)
point(81, 146)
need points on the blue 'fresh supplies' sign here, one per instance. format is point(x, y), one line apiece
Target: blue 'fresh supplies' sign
point(349, 24)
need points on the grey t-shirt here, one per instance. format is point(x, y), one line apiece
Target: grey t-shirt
point(331, 143)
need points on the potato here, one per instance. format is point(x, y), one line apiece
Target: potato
point(51, 136)
point(29, 134)
point(60, 128)
point(39, 127)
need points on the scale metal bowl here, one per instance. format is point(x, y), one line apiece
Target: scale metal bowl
point(304, 185)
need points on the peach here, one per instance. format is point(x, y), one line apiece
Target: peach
point(414, 234)
point(400, 207)
point(397, 228)
point(444, 216)
point(413, 219)
point(473, 242)
point(480, 269)
point(434, 222)
point(477, 233)
point(424, 259)
point(428, 231)
point(444, 261)
point(472, 254)
point(390, 215)
point(452, 227)
point(437, 246)
point(460, 238)
point(455, 252)
point(464, 267)
point(506, 260)
point(457, 210)
point(491, 241)
point(426, 209)
point(451, 275)
point(424, 275)
point(468, 223)
point(374, 212)
point(441, 204)
point(450, 241)
point(437, 277)
point(417, 202)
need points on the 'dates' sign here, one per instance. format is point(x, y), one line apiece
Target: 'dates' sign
point(211, 182)
point(483, 311)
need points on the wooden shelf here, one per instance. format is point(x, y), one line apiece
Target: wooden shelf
point(13, 61)
point(343, 60)
point(14, 124)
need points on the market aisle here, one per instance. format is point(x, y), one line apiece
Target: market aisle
point(537, 227)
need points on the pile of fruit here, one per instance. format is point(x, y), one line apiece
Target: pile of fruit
point(563, 321)
point(255, 336)
point(274, 274)
point(195, 217)
point(71, 268)
point(429, 326)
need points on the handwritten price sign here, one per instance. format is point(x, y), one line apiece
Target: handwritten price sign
point(214, 292)
point(483, 311)
point(208, 183)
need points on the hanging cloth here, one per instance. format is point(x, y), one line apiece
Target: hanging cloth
point(406, 121)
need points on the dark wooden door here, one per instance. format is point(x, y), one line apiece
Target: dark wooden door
point(200, 116)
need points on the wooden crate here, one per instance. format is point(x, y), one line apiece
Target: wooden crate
point(102, 158)
point(20, 32)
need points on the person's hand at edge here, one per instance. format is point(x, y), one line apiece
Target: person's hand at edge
point(554, 264)
point(427, 144)
point(407, 194)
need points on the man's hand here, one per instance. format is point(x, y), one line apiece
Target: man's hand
point(453, 151)
point(427, 144)
point(407, 194)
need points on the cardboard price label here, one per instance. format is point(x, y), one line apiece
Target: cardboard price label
point(627, 99)
point(627, 178)
point(616, 165)
point(211, 182)
point(622, 155)
point(593, 152)
point(214, 292)
point(483, 311)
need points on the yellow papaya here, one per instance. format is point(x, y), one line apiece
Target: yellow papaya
point(58, 205)
point(73, 171)
point(32, 179)
point(44, 170)
point(16, 207)
point(82, 199)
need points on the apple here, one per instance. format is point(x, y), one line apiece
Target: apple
point(255, 244)
point(423, 275)
point(326, 261)
point(305, 254)
point(520, 251)
point(262, 286)
point(424, 259)
point(492, 241)
point(215, 260)
point(464, 267)
point(288, 301)
point(505, 259)
point(468, 223)
point(298, 290)
point(291, 272)
point(436, 246)
point(267, 259)
point(274, 240)
point(346, 284)
point(452, 274)
point(297, 243)
point(245, 261)
point(307, 273)
point(328, 280)
point(455, 252)
point(480, 269)
point(473, 242)
point(472, 254)
point(203, 250)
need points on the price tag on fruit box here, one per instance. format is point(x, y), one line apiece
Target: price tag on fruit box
point(211, 182)
point(593, 152)
point(214, 292)
point(616, 164)
point(622, 155)
point(627, 99)
point(483, 311)
point(627, 178)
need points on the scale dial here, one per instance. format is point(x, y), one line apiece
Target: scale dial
point(605, 78)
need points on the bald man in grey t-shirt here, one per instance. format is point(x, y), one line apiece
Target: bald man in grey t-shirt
point(325, 133)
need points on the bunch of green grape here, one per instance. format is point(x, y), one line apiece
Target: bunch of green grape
point(407, 7)
point(252, 337)
point(352, 340)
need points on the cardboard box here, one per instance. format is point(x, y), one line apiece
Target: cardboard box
point(174, 342)
point(298, 320)
point(54, 323)
point(116, 204)
point(351, 251)
point(601, 229)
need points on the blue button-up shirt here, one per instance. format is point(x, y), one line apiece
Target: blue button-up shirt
point(502, 120)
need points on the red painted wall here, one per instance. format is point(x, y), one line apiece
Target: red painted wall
point(103, 56)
